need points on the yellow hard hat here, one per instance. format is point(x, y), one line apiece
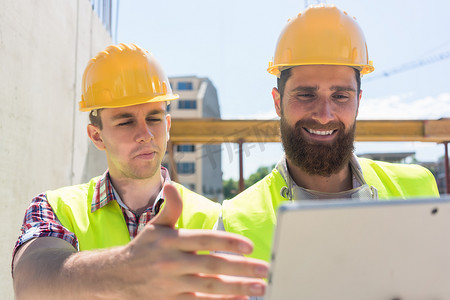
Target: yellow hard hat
point(123, 75)
point(321, 35)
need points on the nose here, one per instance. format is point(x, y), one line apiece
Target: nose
point(323, 112)
point(143, 133)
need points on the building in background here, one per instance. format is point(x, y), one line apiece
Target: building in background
point(198, 166)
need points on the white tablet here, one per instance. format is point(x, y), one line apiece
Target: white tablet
point(344, 250)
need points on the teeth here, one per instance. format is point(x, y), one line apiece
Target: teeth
point(320, 132)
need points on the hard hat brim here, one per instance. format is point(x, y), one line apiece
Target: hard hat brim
point(277, 69)
point(126, 102)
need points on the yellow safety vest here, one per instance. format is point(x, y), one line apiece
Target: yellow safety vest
point(252, 213)
point(106, 226)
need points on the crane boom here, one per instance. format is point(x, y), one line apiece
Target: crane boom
point(410, 65)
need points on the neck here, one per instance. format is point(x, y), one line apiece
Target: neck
point(338, 182)
point(138, 194)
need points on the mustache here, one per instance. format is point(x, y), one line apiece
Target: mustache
point(311, 124)
point(144, 149)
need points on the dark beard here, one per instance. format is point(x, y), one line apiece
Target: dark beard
point(317, 158)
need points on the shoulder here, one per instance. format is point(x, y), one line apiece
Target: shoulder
point(190, 197)
point(261, 198)
point(272, 182)
point(198, 212)
point(399, 180)
point(71, 195)
point(412, 171)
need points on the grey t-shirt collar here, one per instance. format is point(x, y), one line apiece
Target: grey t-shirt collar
point(361, 190)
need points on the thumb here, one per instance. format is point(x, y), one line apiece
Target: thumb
point(171, 211)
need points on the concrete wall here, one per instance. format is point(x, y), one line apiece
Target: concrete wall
point(44, 47)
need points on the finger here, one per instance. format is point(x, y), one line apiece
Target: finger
point(171, 211)
point(226, 264)
point(224, 285)
point(201, 296)
point(193, 240)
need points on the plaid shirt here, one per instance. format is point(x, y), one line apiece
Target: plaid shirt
point(41, 221)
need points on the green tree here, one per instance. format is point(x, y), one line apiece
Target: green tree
point(230, 188)
point(260, 173)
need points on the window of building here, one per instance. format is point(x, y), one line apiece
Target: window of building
point(186, 168)
point(185, 148)
point(184, 85)
point(187, 104)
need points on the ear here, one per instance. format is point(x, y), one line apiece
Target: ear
point(95, 136)
point(359, 101)
point(276, 100)
point(168, 124)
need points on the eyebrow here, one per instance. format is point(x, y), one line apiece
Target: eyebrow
point(122, 116)
point(337, 88)
point(302, 88)
point(130, 115)
point(156, 112)
point(340, 88)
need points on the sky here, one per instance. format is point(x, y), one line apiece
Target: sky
point(231, 43)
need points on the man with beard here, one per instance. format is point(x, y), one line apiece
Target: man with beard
point(319, 60)
point(105, 239)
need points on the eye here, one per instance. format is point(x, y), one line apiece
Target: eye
point(303, 96)
point(341, 98)
point(153, 120)
point(125, 123)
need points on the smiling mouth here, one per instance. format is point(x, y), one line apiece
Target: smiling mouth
point(320, 132)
